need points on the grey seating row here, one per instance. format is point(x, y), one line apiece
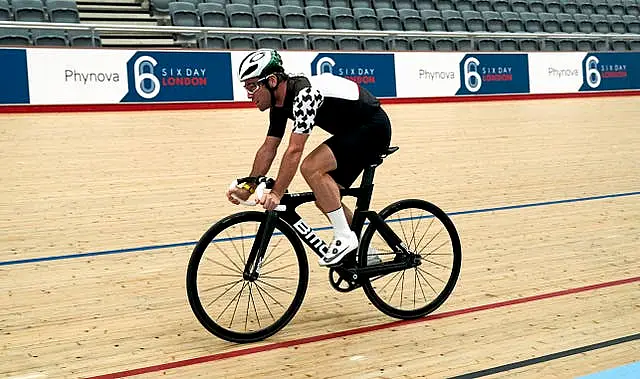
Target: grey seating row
point(48, 37)
point(185, 13)
point(588, 7)
point(352, 43)
point(35, 11)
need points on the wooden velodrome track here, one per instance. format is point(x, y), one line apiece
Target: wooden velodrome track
point(99, 213)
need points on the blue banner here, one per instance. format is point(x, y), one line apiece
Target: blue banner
point(14, 80)
point(494, 74)
point(610, 71)
point(375, 72)
point(179, 76)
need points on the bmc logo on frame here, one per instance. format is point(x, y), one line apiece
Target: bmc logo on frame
point(179, 76)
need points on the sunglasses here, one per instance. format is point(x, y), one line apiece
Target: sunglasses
point(251, 88)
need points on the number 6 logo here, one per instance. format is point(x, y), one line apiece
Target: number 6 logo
point(591, 69)
point(472, 80)
point(147, 85)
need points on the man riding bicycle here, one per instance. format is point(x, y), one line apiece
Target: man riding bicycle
point(360, 130)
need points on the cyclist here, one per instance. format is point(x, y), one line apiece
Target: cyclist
point(359, 127)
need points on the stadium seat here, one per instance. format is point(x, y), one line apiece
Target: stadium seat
point(550, 23)
point(240, 16)
point(65, 11)
point(267, 16)
point(366, 19)
point(318, 17)
point(508, 44)
point(528, 44)
point(28, 11)
point(420, 44)
point(326, 43)
point(488, 44)
point(474, 21)
point(494, 22)
point(567, 23)
point(632, 23)
point(373, 43)
point(293, 17)
point(389, 19)
point(342, 18)
point(349, 43)
point(398, 44)
point(269, 41)
point(15, 37)
point(240, 41)
point(444, 44)
point(5, 11)
point(294, 42)
point(411, 20)
point(433, 20)
point(453, 21)
point(84, 38)
point(183, 13)
point(212, 15)
point(216, 42)
point(49, 37)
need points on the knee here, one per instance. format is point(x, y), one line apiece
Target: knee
point(308, 169)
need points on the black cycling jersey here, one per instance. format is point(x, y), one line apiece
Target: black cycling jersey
point(333, 103)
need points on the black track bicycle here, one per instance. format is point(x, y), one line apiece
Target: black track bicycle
point(248, 274)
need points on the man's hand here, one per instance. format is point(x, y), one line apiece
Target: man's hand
point(270, 200)
point(240, 193)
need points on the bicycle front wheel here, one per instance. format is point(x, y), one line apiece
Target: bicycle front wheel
point(239, 309)
point(426, 231)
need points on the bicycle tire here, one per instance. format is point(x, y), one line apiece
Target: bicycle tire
point(434, 213)
point(201, 312)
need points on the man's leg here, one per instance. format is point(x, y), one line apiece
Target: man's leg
point(315, 169)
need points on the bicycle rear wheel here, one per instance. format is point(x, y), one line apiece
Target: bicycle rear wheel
point(427, 232)
point(233, 307)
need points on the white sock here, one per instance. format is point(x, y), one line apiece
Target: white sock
point(339, 221)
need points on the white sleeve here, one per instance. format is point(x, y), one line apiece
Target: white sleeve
point(305, 107)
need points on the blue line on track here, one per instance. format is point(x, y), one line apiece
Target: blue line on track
point(181, 244)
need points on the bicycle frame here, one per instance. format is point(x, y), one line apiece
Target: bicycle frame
point(306, 233)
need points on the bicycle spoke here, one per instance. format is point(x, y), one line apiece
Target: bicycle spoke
point(425, 233)
point(390, 280)
point(221, 285)
point(271, 297)
point(274, 287)
point(427, 280)
point(431, 240)
point(264, 301)
point(223, 293)
point(236, 296)
point(230, 239)
point(278, 269)
point(270, 261)
point(238, 270)
point(235, 309)
point(266, 258)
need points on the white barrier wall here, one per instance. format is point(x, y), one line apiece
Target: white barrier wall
point(76, 77)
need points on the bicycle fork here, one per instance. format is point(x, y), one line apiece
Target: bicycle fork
point(259, 247)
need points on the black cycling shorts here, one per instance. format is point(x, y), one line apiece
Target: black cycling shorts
point(357, 148)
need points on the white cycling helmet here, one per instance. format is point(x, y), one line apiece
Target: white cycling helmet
point(259, 64)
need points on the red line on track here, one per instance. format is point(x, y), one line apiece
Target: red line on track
point(351, 332)
point(121, 107)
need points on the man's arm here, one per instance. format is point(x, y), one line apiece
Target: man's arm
point(289, 163)
point(265, 156)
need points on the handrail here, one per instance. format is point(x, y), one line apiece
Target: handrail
point(204, 31)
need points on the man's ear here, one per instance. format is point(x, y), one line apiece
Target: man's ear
point(273, 81)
